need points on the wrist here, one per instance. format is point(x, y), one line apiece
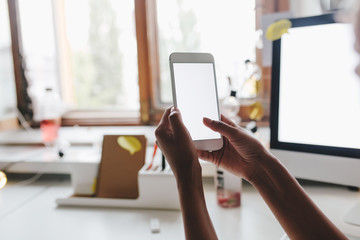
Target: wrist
point(267, 167)
point(272, 178)
point(189, 178)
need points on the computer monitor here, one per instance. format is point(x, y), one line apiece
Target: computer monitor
point(315, 101)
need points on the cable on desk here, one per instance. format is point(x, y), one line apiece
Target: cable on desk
point(29, 180)
point(30, 198)
point(24, 202)
point(3, 177)
point(24, 182)
point(9, 165)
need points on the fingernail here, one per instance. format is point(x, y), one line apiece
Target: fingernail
point(175, 114)
point(207, 120)
point(175, 109)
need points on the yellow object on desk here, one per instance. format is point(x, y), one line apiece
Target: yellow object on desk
point(132, 144)
point(3, 179)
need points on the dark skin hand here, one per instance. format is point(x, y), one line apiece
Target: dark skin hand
point(176, 144)
point(240, 151)
point(246, 157)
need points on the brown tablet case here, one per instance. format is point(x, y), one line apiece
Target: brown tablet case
point(122, 158)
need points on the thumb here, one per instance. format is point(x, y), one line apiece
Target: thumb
point(207, 156)
point(177, 124)
point(223, 128)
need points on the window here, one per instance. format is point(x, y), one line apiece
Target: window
point(224, 28)
point(38, 45)
point(109, 59)
point(84, 49)
point(101, 39)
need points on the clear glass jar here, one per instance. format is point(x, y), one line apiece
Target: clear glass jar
point(50, 112)
point(228, 189)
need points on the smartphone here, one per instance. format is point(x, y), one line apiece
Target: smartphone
point(195, 93)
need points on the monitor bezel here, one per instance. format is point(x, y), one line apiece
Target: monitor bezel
point(274, 104)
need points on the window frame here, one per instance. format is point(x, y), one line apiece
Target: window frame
point(151, 108)
point(21, 83)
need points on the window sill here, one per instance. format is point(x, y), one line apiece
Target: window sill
point(101, 118)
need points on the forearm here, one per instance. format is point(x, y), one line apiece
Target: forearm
point(296, 212)
point(197, 222)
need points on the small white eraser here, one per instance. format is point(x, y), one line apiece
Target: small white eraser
point(155, 225)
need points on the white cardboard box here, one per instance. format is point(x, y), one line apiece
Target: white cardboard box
point(157, 190)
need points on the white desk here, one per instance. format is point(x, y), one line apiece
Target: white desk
point(30, 212)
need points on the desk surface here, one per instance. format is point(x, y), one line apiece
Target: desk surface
point(30, 212)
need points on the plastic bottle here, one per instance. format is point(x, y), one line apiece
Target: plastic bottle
point(230, 107)
point(228, 189)
point(251, 106)
point(252, 81)
point(50, 114)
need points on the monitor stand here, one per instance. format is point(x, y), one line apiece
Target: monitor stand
point(353, 216)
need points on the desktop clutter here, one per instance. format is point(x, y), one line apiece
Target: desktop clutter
point(122, 179)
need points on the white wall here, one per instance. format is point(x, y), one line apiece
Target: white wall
point(303, 8)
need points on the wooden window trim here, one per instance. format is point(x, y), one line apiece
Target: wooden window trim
point(9, 124)
point(63, 52)
point(144, 59)
point(24, 103)
point(101, 118)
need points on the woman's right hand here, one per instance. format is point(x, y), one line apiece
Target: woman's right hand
point(241, 153)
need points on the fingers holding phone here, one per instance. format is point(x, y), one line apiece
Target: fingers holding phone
point(176, 143)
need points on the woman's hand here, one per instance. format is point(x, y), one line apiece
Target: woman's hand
point(176, 144)
point(240, 154)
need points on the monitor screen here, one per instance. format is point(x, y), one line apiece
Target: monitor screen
point(315, 105)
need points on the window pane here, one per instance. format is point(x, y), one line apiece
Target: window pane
point(103, 54)
point(39, 46)
point(7, 82)
point(224, 28)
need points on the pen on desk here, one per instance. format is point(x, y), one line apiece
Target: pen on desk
point(163, 162)
point(153, 157)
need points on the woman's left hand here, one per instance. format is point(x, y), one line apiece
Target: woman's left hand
point(176, 144)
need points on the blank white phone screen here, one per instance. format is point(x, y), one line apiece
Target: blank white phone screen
point(196, 97)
